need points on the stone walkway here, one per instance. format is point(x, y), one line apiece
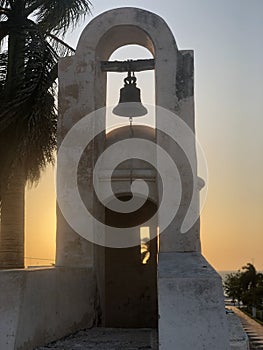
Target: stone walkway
point(253, 329)
point(107, 339)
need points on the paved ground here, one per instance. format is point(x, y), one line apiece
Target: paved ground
point(107, 339)
point(253, 329)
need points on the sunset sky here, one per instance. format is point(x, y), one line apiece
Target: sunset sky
point(226, 36)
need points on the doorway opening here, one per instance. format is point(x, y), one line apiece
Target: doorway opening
point(131, 273)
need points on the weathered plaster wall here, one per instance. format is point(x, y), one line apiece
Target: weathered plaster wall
point(191, 304)
point(238, 337)
point(182, 105)
point(41, 305)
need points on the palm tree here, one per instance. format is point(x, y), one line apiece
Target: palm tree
point(31, 47)
point(233, 287)
point(249, 276)
point(249, 280)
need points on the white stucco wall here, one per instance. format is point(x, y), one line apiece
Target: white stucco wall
point(238, 337)
point(41, 305)
point(191, 304)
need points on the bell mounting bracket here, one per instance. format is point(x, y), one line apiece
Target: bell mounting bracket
point(127, 66)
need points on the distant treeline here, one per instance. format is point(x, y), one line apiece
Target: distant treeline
point(246, 286)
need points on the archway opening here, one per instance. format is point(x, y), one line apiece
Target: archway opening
point(131, 273)
point(145, 81)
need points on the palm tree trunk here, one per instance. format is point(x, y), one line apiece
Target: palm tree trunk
point(12, 223)
point(13, 193)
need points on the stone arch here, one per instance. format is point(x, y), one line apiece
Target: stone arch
point(83, 90)
point(101, 37)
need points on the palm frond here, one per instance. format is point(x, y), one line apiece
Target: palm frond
point(4, 29)
point(60, 47)
point(5, 3)
point(28, 115)
point(39, 135)
point(39, 57)
point(31, 139)
point(58, 16)
point(28, 119)
point(4, 13)
point(3, 69)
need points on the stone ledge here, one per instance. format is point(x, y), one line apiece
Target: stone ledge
point(238, 337)
point(185, 265)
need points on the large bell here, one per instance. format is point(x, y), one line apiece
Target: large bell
point(130, 104)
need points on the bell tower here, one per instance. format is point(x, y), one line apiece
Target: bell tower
point(176, 289)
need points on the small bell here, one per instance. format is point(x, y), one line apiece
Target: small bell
point(130, 104)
